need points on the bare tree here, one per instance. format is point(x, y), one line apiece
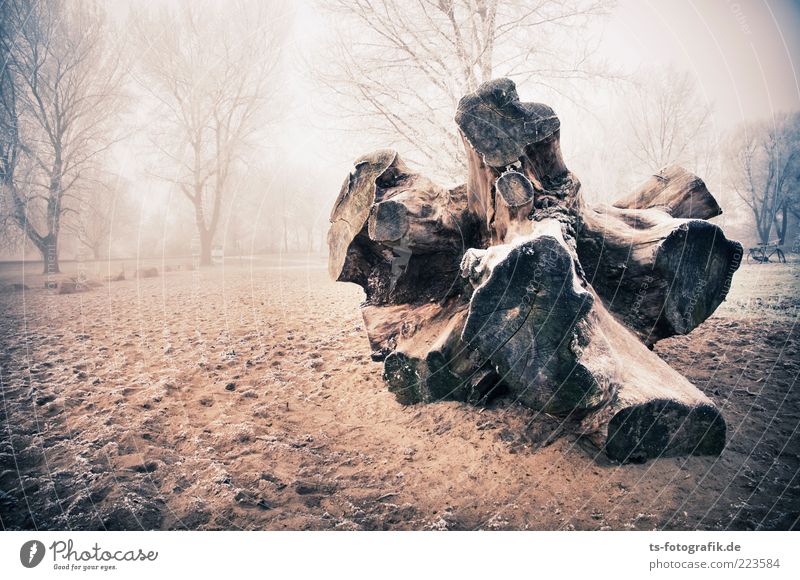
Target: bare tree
point(97, 214)
point(210, 69)
point(763, 165)
point(60, 85)
point(793, 195)
point(789, 135)
point(402, 66)
point(669, 122)
point(10, 145)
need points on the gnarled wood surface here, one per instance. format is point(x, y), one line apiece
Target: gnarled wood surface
point(511, 283)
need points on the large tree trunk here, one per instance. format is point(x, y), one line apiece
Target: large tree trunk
point(763, 225)
point(97, 251)
point(206, 243)
point(48, 247)
point(654, 260)
point(513, 282)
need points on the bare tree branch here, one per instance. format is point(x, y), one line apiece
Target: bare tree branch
point(210, 74)
point(402, 66)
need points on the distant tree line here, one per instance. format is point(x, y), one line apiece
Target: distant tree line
point(764, 171)
point(200, 85)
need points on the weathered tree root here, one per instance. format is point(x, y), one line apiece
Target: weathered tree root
point(512, 283)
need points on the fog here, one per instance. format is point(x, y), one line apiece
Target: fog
point(292, 90)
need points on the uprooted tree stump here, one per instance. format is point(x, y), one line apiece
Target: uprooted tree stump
point(512, 281)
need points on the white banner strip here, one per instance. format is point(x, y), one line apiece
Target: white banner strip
point(406, 555)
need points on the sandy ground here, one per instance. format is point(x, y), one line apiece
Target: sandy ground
point(244, 398)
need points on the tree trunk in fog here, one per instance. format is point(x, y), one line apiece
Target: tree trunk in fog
point(763, 228)
point(97, 251)
point(511, 282)
point(48, 247)
point(782, 224)
point(285, 235)
point(206, 244)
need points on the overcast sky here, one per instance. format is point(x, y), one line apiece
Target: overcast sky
point(743, 55)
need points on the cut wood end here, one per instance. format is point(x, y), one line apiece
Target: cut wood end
point(352, 207)
point(676, 191)
point(664, 428)
point(498, 126)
